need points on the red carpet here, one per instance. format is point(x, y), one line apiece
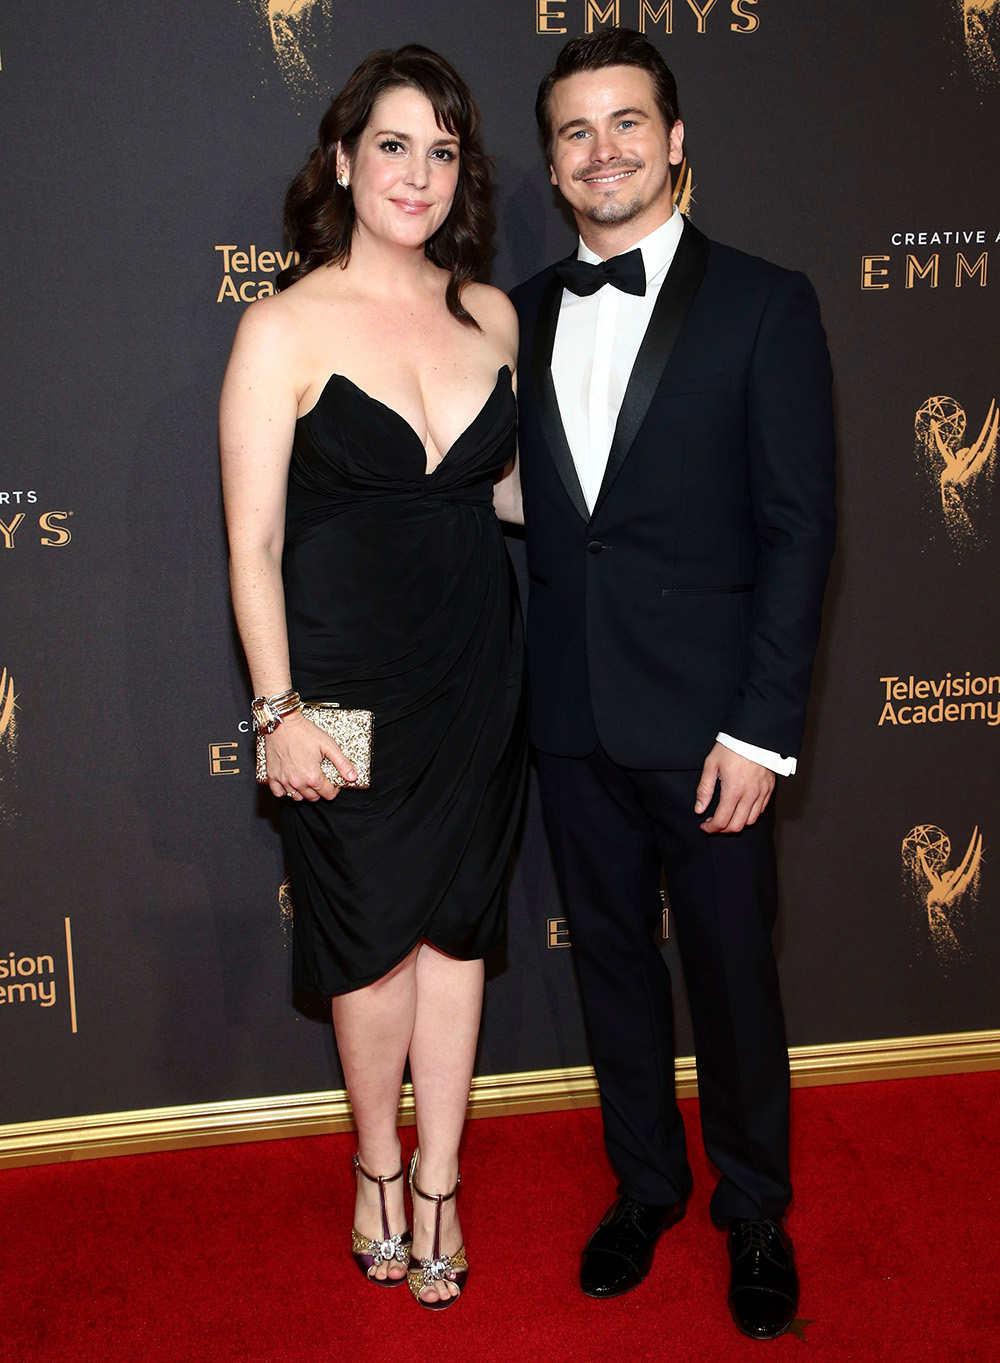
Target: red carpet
point(241, 1252)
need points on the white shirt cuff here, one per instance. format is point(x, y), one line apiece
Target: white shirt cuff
point(784, 766)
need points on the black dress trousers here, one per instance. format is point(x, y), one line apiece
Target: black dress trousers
point(611, 829)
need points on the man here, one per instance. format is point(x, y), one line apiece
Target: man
point(677, 472)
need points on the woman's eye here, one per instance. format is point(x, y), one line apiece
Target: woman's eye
point(443, 154)
point(391, 145)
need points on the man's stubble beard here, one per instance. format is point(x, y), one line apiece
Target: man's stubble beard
point(612, 211)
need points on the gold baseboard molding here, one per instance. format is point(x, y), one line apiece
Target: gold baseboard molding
point(315, 1114)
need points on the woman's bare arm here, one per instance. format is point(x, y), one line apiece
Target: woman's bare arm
point(257, 414)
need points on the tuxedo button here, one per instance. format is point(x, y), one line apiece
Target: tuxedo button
point(594, 547)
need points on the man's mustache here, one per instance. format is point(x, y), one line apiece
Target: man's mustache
point(598, 172)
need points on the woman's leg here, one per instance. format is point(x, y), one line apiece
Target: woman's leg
point(449, 1002)
point(374, 1026)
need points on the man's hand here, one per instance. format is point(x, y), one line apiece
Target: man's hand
point(746, 789)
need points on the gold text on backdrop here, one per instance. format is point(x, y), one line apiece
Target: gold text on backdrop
point(955, 698)
point(557, 929)
point(222, 759)
point(27, 979)
point(53, 532)
point(879, 271)
point(30, 977)
point(558, 17)
point(241, 261)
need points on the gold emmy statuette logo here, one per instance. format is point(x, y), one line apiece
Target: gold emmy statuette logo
point(296, 28)
point(946, 895)
point(981, 23)
point(959, 471)
point(285, 910)
point(8, 712)
point(684, 188)
point(8, 739)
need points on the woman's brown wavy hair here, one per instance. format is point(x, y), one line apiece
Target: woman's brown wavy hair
point(319, 214)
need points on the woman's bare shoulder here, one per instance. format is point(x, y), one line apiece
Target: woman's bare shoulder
point(494, 312)
point(268, 322)
point(283, 323)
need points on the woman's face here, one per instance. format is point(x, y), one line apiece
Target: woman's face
point(405, 170)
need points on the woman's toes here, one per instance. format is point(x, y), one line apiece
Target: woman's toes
point(442, 1291)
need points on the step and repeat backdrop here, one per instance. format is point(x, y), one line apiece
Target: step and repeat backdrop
point(144, 921)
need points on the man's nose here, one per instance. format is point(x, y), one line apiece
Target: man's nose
point(606, 146)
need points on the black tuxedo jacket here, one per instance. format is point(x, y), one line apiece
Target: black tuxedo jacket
point(689, 602)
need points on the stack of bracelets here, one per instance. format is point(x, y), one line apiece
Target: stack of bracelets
point(269, 711)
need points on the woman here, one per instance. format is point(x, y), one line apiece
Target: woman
point(366, 413)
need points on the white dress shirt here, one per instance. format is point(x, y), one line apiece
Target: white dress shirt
point(596, 343)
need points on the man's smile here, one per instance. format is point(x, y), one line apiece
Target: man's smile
point(610, 175)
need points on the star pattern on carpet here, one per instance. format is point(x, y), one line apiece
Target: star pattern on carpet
point(798, 1327)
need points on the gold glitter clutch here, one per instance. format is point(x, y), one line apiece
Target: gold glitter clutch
point(351, 730)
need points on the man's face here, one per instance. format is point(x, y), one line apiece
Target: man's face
point(611, 152)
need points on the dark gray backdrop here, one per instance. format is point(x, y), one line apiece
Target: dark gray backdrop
point(138, 140)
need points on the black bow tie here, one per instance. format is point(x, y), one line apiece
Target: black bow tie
point(624, 272)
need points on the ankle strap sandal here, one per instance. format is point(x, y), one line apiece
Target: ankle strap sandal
point(451, 1267)
point(369, 1254)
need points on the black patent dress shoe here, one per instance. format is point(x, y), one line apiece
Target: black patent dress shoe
point(763, 1283)
point(620, 1252)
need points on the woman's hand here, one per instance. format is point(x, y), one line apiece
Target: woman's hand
point(294, 753)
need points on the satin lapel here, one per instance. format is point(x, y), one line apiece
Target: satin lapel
point(545, 395)
point(677, 293)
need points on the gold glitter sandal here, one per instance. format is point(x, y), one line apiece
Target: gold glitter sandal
point(368, 1254)
point(453, 1267)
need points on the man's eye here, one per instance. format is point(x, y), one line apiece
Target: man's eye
point(580, 133)
point(627, 123)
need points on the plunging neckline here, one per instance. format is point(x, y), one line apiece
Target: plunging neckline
point(428, 473)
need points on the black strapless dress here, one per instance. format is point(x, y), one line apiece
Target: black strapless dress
point(400, 599)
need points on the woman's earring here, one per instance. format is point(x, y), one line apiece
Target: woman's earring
point(343, 181)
